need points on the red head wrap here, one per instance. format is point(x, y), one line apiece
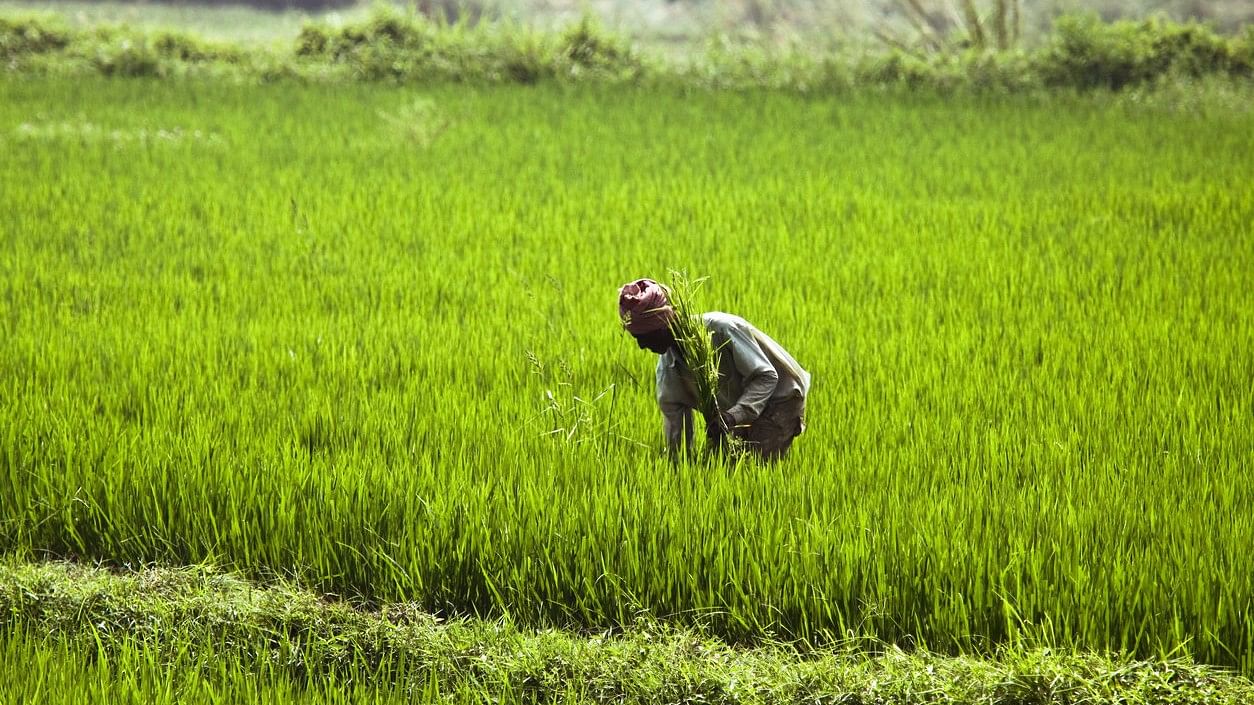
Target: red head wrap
point(643, 307)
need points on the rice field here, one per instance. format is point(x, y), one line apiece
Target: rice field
point(364, 338)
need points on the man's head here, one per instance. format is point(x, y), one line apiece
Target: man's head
point(646, 314)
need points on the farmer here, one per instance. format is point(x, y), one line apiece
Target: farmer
point(761, 391)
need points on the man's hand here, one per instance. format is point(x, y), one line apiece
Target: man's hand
point(718, 426)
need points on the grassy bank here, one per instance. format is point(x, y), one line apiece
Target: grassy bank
point(1081, 53)
point(195, 634)
point(365, 336)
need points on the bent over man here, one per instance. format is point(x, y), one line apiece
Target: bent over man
point(761, 390)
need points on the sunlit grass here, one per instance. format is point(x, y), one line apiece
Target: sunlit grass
point(300, 348)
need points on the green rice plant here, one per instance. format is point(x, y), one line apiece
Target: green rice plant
point(570, 417)
point(301, 353)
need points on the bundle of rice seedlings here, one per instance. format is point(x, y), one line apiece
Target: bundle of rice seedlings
point(697, 346)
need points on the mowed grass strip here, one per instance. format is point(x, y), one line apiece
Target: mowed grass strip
point(365, 337)
point(195, 634)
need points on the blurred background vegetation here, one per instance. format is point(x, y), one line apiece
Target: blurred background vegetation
point(675, 24)
point(986, 45)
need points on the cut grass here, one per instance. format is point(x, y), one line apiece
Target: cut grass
point(184, 635)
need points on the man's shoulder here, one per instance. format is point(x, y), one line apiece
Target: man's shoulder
point(718, 319)
point(722, 324)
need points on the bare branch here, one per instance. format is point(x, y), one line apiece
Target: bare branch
point(923, 24)
point(975, 29)
point(999, 25)
point(898, 44)
point(1014, 22)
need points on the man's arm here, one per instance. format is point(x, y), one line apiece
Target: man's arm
point(677, 427)
point(760, 377)
point(676, 405)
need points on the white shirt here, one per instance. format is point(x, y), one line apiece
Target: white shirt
point(754, 371)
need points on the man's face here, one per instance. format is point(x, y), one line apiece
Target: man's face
point(658, 341)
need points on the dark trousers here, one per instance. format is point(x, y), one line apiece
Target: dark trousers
point(771, 434)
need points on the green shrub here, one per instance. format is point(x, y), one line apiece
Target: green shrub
point(19, 37)
point(313, 40)
point(392, 45)
point(1191, 49)
point(996, 71)
point(525, 59)
point(1086, 53)
point(125, 56)
point(181, 47)
point(386, 31)
point(1242, 53)
point(395, 45)
point(388, 27)
point(387, 45)
point(897, 68)
point(585, 46)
